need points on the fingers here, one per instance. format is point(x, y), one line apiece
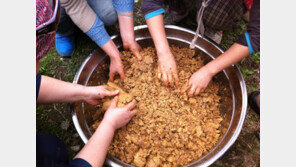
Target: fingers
point(114, 102)
point(185, 88)
point(110, 93)
point(137, 54)
point(170, 80)
point(131, 105)
point(165, 79)
point(134, 112)
point(197, 91)
point(159, 75)
point(121, 73)
point(192, 90)
point(111, 76)
point(176, 79)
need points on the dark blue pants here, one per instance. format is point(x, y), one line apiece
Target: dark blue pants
point(50, 151)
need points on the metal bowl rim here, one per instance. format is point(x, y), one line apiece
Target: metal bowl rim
point(239, 75)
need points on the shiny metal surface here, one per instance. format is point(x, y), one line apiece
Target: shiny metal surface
point(234, 112)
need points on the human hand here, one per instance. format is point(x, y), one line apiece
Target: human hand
point(134, 47)
point(116, 67)
point(167, 70)
point(97, 92)
point(117, 117)
point(197, 82)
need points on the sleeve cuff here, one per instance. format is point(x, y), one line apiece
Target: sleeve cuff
point(38, 82)
point(98, 33)
point(251, 50)
point(123, 6)
point(154, 13)
point(79, 162)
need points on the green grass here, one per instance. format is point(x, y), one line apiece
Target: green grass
point(246, 72)
point(65, 68)
point(231, 36)
point(255, 57)
point(49, 118)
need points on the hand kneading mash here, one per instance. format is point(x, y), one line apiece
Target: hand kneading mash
point(169, 129)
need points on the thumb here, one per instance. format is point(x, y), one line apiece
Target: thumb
point(121, 73)
point(134, 112)
point(114, 102)
point(111, 93)
point(185, 88)
point(111, 76)
point(137, 54)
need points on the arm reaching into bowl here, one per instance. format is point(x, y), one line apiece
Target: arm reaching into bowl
point(93, 26)
point(94, 152)
point(57, 91)
point(201, 78)
point(247, 44)
point(167, 69)
point(126, 25)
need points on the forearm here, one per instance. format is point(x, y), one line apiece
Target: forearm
point(93, 26)
point(94, 152)
point(99, 34)
point(111, 50)
point(157, 31)
point(126, 25)
point(233, 55)
point(57, 91)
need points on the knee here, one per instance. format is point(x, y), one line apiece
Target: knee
point(109, 17)
point(104, 10)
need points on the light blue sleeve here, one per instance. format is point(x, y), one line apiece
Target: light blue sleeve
point(124, 6)
point(98, 33)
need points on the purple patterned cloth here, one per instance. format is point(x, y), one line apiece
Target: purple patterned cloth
point(43, 42)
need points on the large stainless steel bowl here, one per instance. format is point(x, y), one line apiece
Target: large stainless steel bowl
point(234, 112)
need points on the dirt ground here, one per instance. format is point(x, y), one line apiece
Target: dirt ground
point(56, 118)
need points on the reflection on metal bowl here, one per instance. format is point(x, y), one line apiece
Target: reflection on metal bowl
point(233, 111)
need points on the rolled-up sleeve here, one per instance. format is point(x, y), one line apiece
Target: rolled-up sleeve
point(252, 37)
point(124, 6)
point(86, 19)
point(151, 8)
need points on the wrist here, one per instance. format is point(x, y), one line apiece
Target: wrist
point(105, 128)
point(87, 93)
point(114, 55)
point(128, 42)
point(164, 54)
point(212, 71)
point(108, 124)
point(163, 49)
